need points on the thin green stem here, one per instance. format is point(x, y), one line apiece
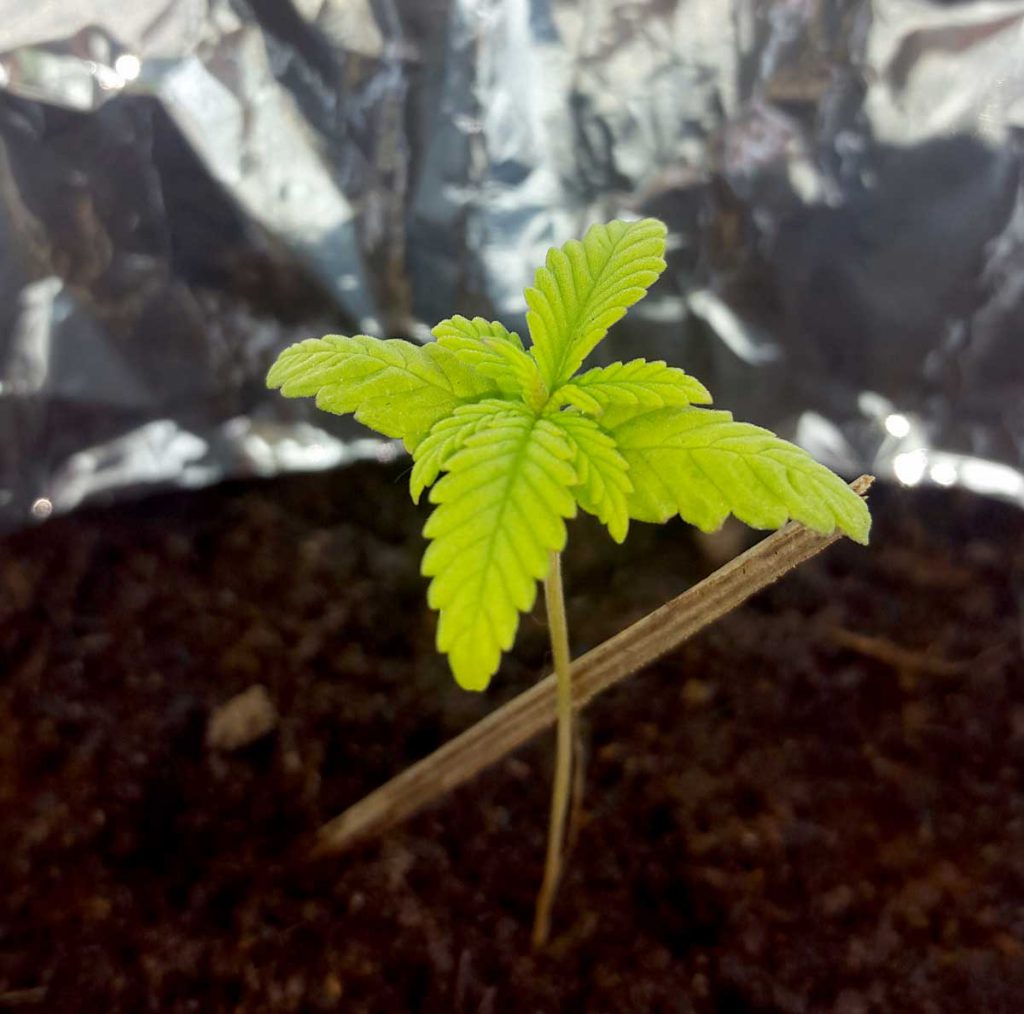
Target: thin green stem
point(558, 631)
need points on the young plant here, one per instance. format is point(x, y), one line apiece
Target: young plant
point(523, 439)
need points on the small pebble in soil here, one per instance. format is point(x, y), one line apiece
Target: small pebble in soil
point(242, 720)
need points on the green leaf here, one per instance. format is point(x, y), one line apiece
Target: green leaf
point(393, 386)
point(604, 484)
point(448, 436)
point(637, 384)
point(494, 351)
point(461, 334)
point(500, 514)
point(584, 288)
point(703, 466)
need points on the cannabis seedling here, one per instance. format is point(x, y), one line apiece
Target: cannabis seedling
point(524, 439)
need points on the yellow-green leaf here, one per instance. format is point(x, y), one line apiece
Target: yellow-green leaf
point(494, 351)
point(585, 287)
point(637, 384)
point(703, 466)
point(448, 435)
point(604, 484)
point(392, 386)
point(500, 514)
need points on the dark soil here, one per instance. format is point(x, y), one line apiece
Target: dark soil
point(817, 805)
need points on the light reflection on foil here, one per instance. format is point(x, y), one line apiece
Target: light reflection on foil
point(188, 186)
point(910, 467)
point(897, 425)
point(162, 453)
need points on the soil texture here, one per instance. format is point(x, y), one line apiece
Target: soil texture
point(815, 805)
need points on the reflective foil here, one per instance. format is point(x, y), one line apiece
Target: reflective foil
point(186, 186)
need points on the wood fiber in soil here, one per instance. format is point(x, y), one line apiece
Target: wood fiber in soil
point(777, 818)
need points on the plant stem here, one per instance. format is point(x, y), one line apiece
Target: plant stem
point(558, 630)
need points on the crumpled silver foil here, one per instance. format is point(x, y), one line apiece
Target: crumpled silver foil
point(186, 186)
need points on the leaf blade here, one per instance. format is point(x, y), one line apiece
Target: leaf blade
point(703, 465)
point(603, 473)
point(638, 384)
point(585, 287)
point(393, 386)
point(495, 352)
point(501, 511)
point(447, 436)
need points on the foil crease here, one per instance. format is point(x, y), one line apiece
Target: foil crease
point(187, 186)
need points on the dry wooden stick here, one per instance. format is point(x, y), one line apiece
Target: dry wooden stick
point(511, 725)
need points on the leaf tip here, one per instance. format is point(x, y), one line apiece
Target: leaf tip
point(472, 671)
point(856, 519)
point(858, 528)
point(276, 374)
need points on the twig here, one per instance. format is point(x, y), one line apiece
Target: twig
point(17, 997)
point(904, 659)
point(883, 650)
point(511, 725)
